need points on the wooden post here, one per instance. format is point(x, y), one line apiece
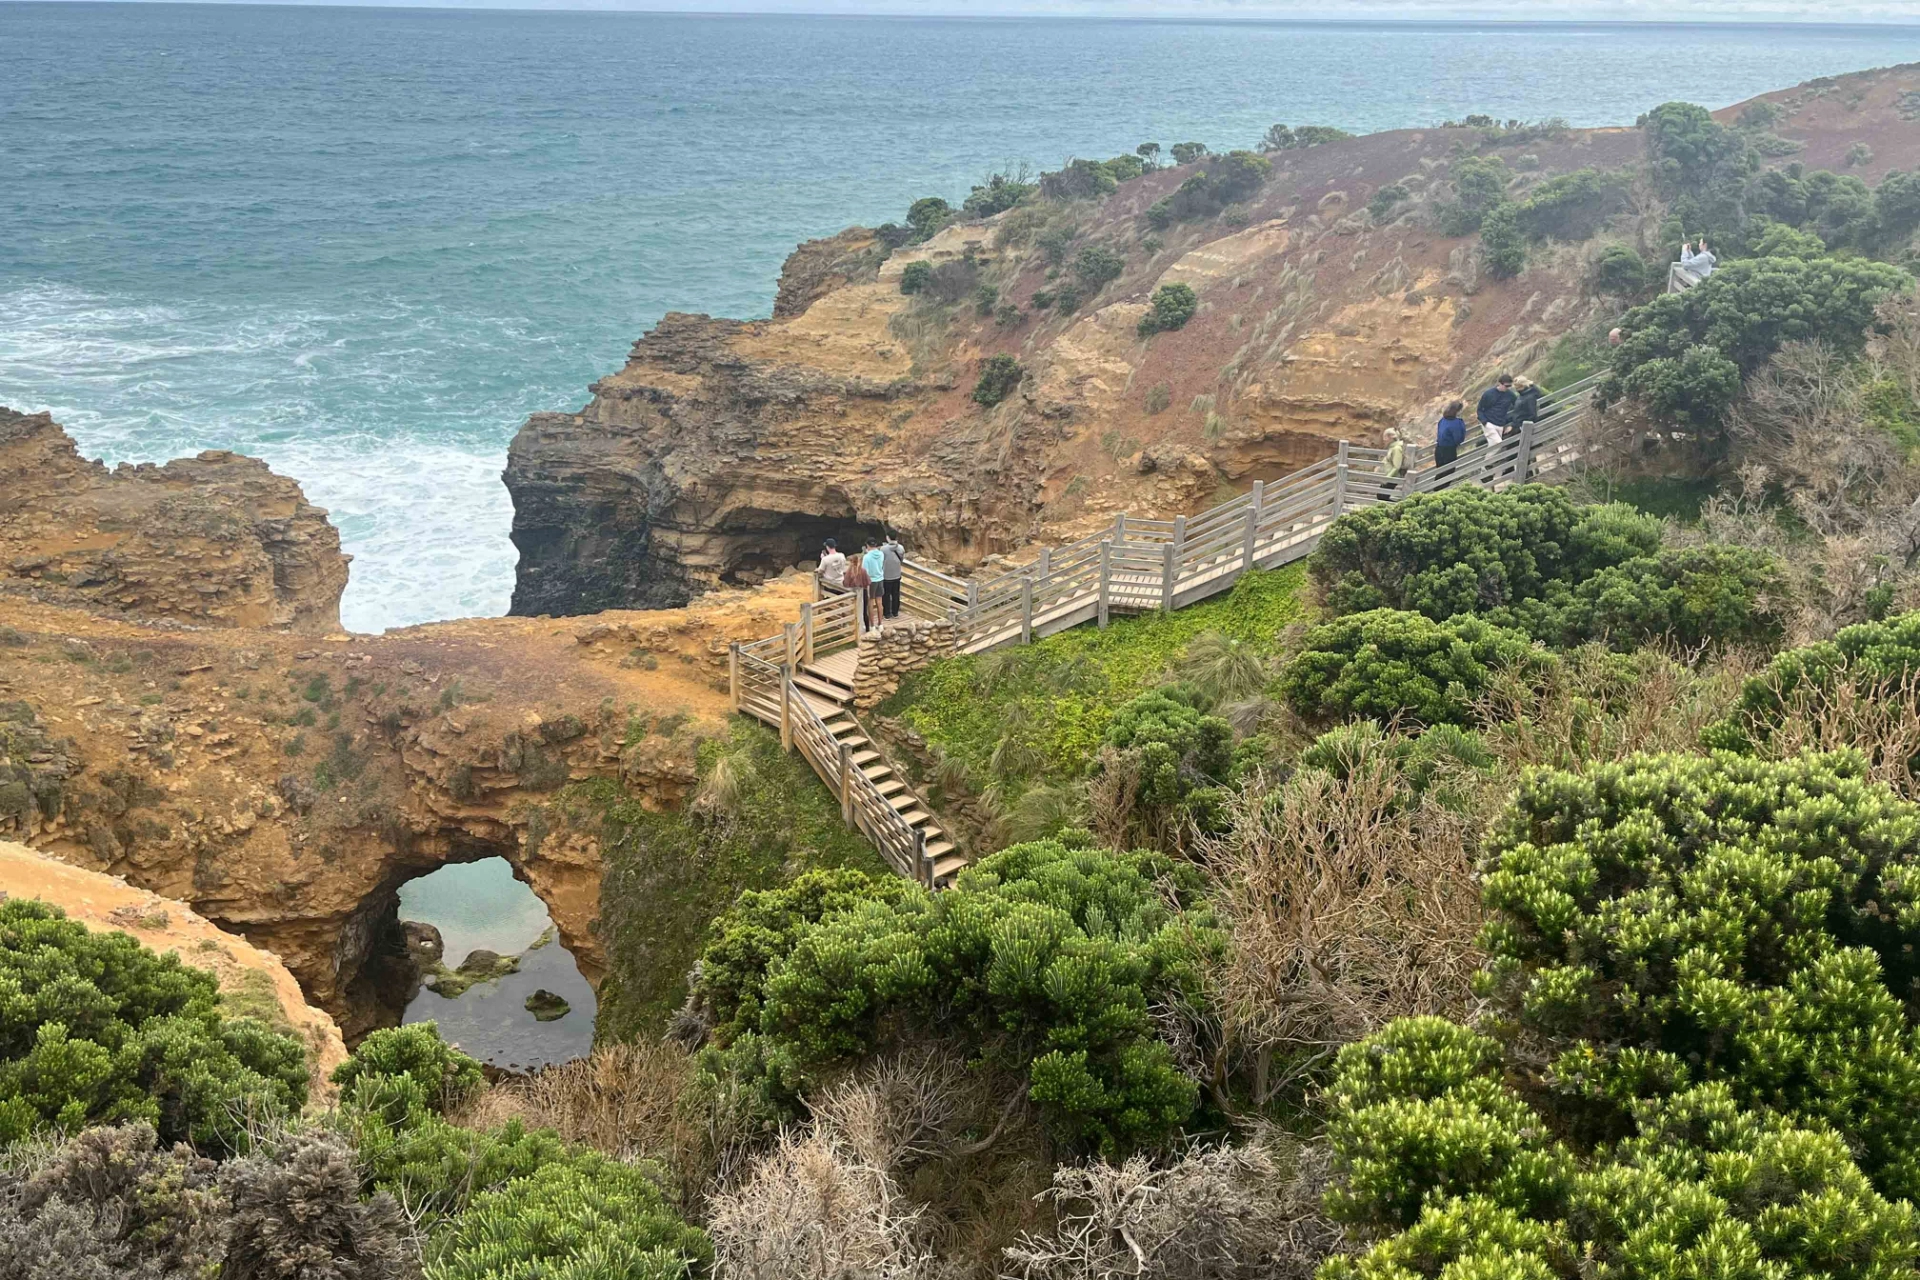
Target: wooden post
point(973, 598)
point(786, 711)
point(1253, 532)
point(1106, 580)
point(806, 634)
point(1046, 562)
point(1256, 504)
point(922, 865)
point(793, 644)
point(1120, 528)
point(1340, 482)
point(846, 784)
point(1523, 460)
point(1166, 577)
point(733, 675)
point(1026, 611)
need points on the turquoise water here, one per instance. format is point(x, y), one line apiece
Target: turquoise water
point(480, 904)
point(366, 243)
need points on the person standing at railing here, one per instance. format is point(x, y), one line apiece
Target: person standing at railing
point(1450, 434)
point(1394, 464)
point(892, 559)
point(860, 582)
point(833, 568)
point(1526, 405)
point(1495, 409)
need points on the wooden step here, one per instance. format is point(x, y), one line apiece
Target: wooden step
point(831, 692)
point(891, 787)
point(951, 865)
point(875, 772)
point(913, 815)
point(863, 758)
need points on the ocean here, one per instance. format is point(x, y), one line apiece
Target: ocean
point(365, 243)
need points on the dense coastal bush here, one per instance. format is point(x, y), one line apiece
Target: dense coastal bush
point(1620, 271)
point(96, 1028)
point(1667, 920)
point(1385, 664)
point(1480, 186)
point(1166, 760)
point(916, 277)
point(1042, 960)
point(999, 377)
point(1529, 559)
point(1226, 180)
point(1867, 663)
point(596, 1220)
point(1171, 307)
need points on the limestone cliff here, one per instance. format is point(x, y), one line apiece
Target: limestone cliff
point(216, 540)
point(284, 786)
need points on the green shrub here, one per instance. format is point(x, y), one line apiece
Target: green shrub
point(916, 277)
point(1386, 664)
point(412, 1066)
point(1188, 152)
point(96, 1028)
point(1685, 353)
point(1466, 550)
point(1042, 959)
point(1174, 756)
point(1503, 243)
point(1620, 271)
point(1172, 306)
point(585, 1221)
point(1428, 1140)
point(1668, 920)
point(999, 377)
point(1871, 658)
point(1480, 185)
point(998, 194)
point(1689, 148)
point(1572, 206)
point(1226, 180)
point(1387, 199)
point(1096, 265)
point(1080, 180)
point(927, 216)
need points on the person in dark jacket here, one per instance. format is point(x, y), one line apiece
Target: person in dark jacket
point(1449, 435)
point(1497, 404)
point(892, 560)
point(1526, 407)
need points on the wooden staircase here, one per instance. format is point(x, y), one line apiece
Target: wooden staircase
point(826, 685)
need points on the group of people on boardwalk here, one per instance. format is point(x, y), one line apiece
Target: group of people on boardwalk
point(1503, 409)
point(874, 574)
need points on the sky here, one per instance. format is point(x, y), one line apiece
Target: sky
point(1830, 11)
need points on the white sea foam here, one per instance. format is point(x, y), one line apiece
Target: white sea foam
point(420, 507)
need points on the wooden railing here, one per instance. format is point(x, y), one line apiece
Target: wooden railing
point(1141, 564)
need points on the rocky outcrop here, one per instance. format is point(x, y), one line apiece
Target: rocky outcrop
point(819, 267)
point(254, 982)
point(286, 786)
point(215, 540)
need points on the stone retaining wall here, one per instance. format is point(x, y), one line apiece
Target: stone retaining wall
point(898, 649)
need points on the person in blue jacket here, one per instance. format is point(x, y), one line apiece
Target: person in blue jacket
point(1450, 435)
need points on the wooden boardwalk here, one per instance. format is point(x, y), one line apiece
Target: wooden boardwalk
point(801, 681)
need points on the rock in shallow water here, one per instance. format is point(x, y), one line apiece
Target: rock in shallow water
point(546, 1006)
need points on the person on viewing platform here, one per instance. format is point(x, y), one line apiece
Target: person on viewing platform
point(860, 582)
point(1394, 465)
point(1449, 435)
point(874, 561)
point(833, 568)
point(1701, 263)
point(1526, 406)
point(892, 557)
point(1495, 409)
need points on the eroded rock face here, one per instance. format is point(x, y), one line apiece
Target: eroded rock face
point(215, 540)
point(286, 786)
